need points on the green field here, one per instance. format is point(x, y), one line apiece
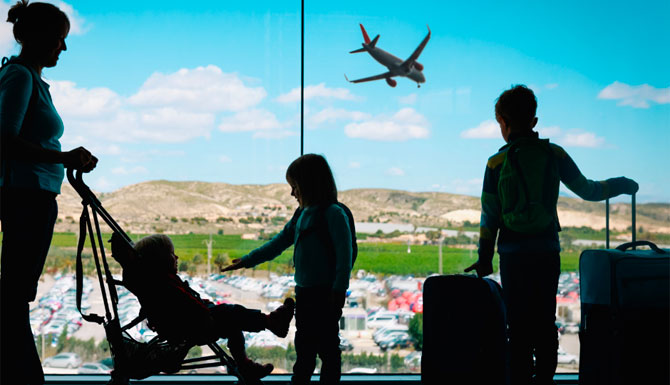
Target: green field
point(378, 258)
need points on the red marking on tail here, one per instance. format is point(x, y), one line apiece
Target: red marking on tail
point(365, 35)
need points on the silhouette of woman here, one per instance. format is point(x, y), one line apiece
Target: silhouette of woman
point(31, 174)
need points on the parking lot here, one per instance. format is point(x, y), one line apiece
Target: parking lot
point(400, 296)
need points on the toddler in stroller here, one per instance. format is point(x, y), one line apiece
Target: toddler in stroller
point(178, 313)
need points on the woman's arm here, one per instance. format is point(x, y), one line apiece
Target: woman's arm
point(15, 95)
point(21, 149)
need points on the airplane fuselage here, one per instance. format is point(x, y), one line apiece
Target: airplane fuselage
point(394, 64)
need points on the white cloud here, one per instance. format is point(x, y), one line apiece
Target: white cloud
point(318, 91)
point(354, 165)
point(635, 96)
point(331, 115)
point(81, 102)
point(403, 125)
point(409, 99)
point(578, 138)
point(176, 107)
point(133, 170)
point(488, 129)
point(205, 89)
point(551, 86)
point(262, 123)
point(250, 120)
point(395, 171)
point(171, 125)
point(225, 159)
point(549, 132)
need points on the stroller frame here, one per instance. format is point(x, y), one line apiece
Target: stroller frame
point(111, 322)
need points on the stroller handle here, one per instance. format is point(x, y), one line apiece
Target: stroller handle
point(88, 198)
point(82, 189)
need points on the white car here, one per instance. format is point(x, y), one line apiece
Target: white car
point(567, 358)
point(93, 368)
point(62, 360)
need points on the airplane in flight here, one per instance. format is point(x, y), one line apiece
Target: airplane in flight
point(409, 68)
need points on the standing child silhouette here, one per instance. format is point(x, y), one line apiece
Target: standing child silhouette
point(519, 196)
point(321, 274)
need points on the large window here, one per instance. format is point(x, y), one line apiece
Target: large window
point(194, 110)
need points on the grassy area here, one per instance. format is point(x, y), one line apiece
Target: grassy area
point(379, 258)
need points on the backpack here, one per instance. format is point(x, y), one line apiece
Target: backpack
point(528, 186)
point(321, 227)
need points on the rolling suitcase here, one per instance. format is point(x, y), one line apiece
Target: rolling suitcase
point(625, 314)
point(464, 331)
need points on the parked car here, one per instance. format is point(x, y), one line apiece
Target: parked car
point(93, 368)
point(62, 360)
point(380, 319)
point(384, 331)
point(413, 361)
point(399, 340)
point(345, 345)
point(566, 358)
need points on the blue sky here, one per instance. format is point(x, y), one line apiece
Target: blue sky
point(208, 90)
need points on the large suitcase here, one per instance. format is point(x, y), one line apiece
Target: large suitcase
point(464, 331)
point(625, 314)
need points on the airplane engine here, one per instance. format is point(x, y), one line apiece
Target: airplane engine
point(418, 66)
point(391, 82)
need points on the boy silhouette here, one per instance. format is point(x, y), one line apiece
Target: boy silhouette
point(519, 196)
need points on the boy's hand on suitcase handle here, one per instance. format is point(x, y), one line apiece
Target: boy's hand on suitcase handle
point(483, 268)
point(622, 185)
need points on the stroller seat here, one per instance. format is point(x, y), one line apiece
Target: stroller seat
point(165, 352)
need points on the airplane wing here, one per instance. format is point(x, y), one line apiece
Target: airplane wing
point(371, 78)
point(417, 51)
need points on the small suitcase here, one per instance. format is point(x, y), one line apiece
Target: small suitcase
point(625, 314)
point(464, 331)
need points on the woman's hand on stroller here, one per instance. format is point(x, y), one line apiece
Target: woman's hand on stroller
point(80, 159)
point(237, 264)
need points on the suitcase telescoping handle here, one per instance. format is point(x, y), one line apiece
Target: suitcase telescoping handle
point(607, 222)
point(628, 245)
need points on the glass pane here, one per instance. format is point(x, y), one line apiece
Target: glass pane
point(410, 161)
point(179, 103)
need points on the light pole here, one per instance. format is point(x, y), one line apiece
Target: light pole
point(209, 253)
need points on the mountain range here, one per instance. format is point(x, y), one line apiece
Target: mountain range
point(203, 207)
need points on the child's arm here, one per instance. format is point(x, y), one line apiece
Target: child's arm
point(490, 220)
point(340, 234)
point(270, 249)
point(588, 189)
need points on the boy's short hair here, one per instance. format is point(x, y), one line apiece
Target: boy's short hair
point(155, 249)
point(517, 107)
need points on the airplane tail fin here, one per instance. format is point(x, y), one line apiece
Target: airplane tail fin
point(358, 50)
point(365, 35)
point(373, 42)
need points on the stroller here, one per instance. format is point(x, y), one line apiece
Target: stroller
point(132, 359)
